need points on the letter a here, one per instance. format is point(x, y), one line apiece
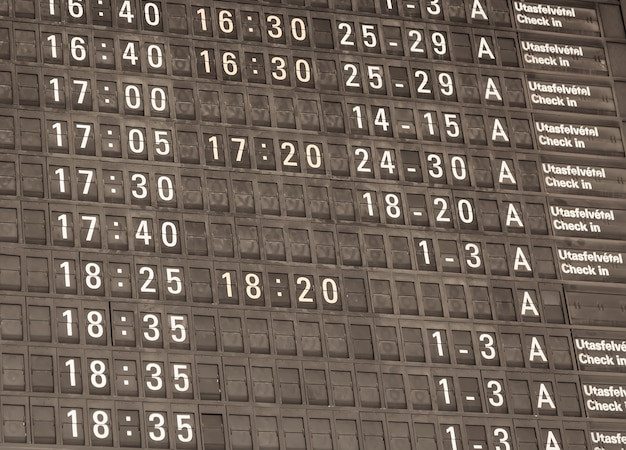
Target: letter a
point(544, 397)
point(513, 216)
point(529, 305)
point(552, 443)
point(484, 49)
point(492, 89)
point(536, 350)
point(520, 261)
point(478, 11)
point(498, 133)
point(506, 173)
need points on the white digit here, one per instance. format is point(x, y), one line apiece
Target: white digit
point(503, 437)
point(181, 379)
point(279, 73)
point(359, 116)
point(132, 95)
point(330, 291)
point(75, 8)
point(61, 173)
point(229, 285)
point(374, 74)
point(435, 165)
point(165, 187)
point(439, 42)
point(86, 131)
point(313, 156)
point(83, 90)
point(59, 142)
point(93, 279)
point(145, 287)
point(71, 364)
point(253, 291)
point(443, 204)
point(226, 21)
point(303, 297)
point(55, 90)
point(446, 390)
point(155, 382)
point(162, 142)
point(173, 281)
point(177, 327)
point(155, 56)
point(88, 179)
point(229, 63)
point(203, 20)
point(288, 160)
point(143, 233)
point(63, 219)
point(466, 211)
point(434, 8)
point(452, 432)
point(158, 99)
point(422, 77)
point(158, 426)
point(92, 226)
point(370, 208)
point(446, 85)
point(439, 342)
point(101, 428)
point(141, 180)
point(169, 234)
point(298, 29)
point(452, 126)
point(362, 167)
point(423, 244)
point(130, 53)
point(369, 37)
point(151, 14)
point(136, 140)
point(72, 414)
point(98, 377)
point(78, 49)
point(153, 333)
point(303, 70)
point(459, 168)
point(393, 206)
point(67, 315)
point(350, 82)
point(347, 29)
point(95, 329)
point(274, 31)
point(495, 398)
point(126, 12)
point(185, 431)
point(489, 352)
point(474, 260)
point(386, 162)
point(416, 46)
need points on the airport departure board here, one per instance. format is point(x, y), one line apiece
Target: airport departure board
point(313, 224)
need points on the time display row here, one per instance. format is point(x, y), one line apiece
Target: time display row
point(154, 424)
point(325, 290)
point(452, 126)
point(131, 96)
point(205, 378)
point(185, 233)
point(201, 59)
point(275, 24)
point(247, 151)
